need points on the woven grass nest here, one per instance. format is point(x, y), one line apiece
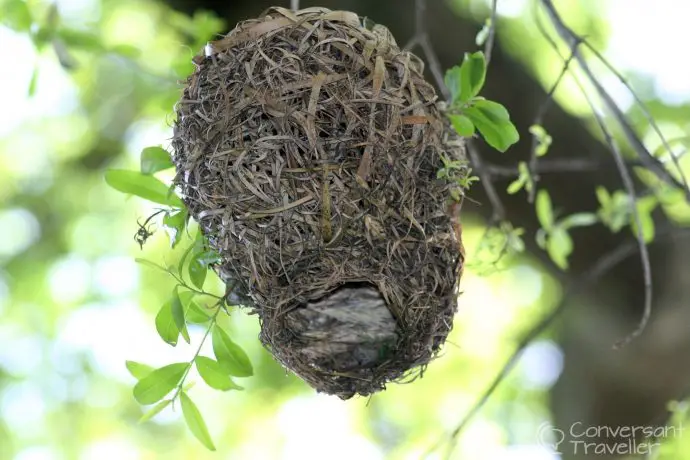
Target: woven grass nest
point(307, 147)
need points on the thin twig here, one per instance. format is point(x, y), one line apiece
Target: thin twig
point(419, 17)
point(434, 65)
point(651, 163)
point(421, 39)
point(419, 28)
point(499, 212)
point(211, 325)
point(555, 165)
point(644, 252)
point(489, 46)
point(570, 37)
point(589, 277)
point(532, 165)
point(645, 112)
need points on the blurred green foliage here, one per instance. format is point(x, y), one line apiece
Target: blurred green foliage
point(92, 83)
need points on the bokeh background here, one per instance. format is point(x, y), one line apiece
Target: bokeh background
point(86, 84)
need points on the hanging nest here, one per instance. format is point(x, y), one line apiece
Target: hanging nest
point(307, 147)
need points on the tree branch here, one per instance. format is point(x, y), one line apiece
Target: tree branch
point(543, 108)
point(488, 48)
point(590, 277)
point(421, 39)
point(499, 212)
point(647, 158)
point(554, 165)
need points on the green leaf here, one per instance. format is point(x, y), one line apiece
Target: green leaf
point(79, 39)
point(186, 296)
point(670, 196)
point(193, 312)
point(515, 242)
point(524, 180)
point(44, 33)
point(215, 375)
point(127, 51)
point(195, 421)
point(188, 386)
point(32, 82)
point(543, 138)
point(616, 211)
point(483, 34)
point(182, 66)
point(472, 75)
point(16, 14)
point(183, 258)
point(462, 125)
point(230, 355)
point(493, 122)
point(647, 204)
point(209, 257)
point(648, 229)
point(516, 186)
point(155, 410)
point(200, 27)
point(178, 314)
point(159, 383)
point(544, 210)
point(197, 270)
point(559, 245)
point(645, 207)
point(581, 219)
point(493, 111)
point(452, 81)
point(154, 159)
point(143, 186)
point(540, 238)
point(205, 25)
point(138, 370)
point(525, 172)
point(662, 152)
point(466, 182)
point(165, 324)
point(620, 210)
point(175, 223)
point(603, 196)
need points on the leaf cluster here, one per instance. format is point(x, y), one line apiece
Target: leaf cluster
point(188, 305)
point(167, 384)
point(468, 112)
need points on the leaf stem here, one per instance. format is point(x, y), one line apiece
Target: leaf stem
point(180, 385)
point(198, 291)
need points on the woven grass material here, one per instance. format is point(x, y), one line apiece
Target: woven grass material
point(307, 148)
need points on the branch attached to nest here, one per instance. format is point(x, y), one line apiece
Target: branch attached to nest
point(421, 39)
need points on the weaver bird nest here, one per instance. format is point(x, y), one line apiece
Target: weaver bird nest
point(307, 147)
